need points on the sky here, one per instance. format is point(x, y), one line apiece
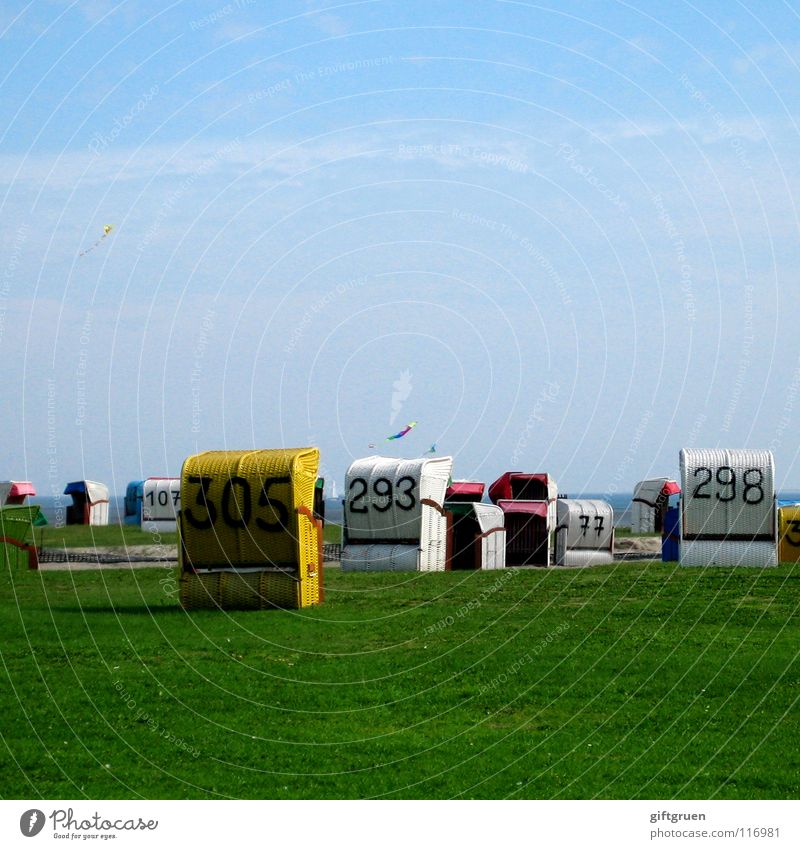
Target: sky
point(561, 237)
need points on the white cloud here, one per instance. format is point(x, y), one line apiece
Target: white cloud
point(716, 128)
point(329, 24)
point(237, 32)
point(770, 56)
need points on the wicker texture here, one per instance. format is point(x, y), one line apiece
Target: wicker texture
point(393, 511)
point(280, 589)
point(728, 510)
point(493, 545)
point(15, 557)
point(585, 532)
point(200, 592)
point(240, 590)
point(723, 509)
point(718, 553)
point(477, 536)
point(264, 541)
point(374, 518)
point(648, 506)
point(160, 503)
point(789, 534)
point(493, 550)
point(380, 558)
point(584, 557)
point(253, 590)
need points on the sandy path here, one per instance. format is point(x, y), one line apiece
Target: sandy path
point(635, 546)
point(138, 555)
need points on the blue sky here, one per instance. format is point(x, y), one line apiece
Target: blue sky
point(571, 226)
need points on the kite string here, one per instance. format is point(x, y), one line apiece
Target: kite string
point(107, 228)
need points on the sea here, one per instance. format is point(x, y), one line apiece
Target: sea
point(620, 501)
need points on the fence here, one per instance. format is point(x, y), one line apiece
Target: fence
point(331, 552)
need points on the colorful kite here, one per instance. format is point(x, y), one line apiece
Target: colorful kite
point(402, 433)
point(107, 228)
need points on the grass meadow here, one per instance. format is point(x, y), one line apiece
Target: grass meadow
point(636, 680)
point(88, 536)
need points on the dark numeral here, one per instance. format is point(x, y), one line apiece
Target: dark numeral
point(730, 483)
point(402, 493)
point(599, 524)
point(749, 486)
point(752, 492)
point(794, 528)
point(385, 491)
point(358, 496)
point(408, 492)
point(236, 505)
point(279, 508)
point(202, 500)
point(584, 523)
point(163, 497)
point(697, 493)
point(242, 502)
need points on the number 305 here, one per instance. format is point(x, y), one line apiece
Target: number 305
point(241, 500)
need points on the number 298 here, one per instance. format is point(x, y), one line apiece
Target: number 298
point(752, 491)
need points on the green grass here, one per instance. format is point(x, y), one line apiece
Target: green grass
point(638, 680)
point(86, 536)
point(332, 533)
